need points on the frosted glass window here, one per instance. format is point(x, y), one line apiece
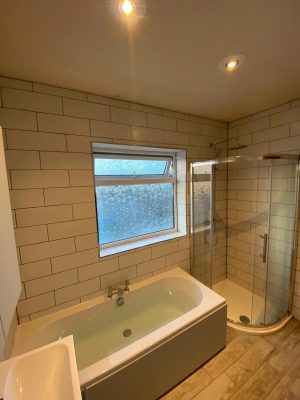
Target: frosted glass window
point(135, 196)
point(126, 211)
point(128, 167)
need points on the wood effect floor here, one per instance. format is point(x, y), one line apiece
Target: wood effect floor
point(251, 367)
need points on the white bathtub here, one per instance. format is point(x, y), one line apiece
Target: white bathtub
point(176, 322)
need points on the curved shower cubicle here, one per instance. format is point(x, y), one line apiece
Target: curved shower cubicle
point(244, 217)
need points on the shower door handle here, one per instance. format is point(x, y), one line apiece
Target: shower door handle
point(264, 254)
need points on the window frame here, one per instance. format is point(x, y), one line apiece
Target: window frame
point(116, 180)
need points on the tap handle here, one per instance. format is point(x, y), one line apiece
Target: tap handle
point(109, 294)
point(126, 285)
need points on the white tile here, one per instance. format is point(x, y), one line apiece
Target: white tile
point(75, 260)
point(57, 91)
point(51, 282)
point(35, 270)
point(255, 149)
point(85, 242)
point(253, 126)
point(150, 266)
point(208, 121)
point(58, 160)
point(272, 111)
point(17, 119)
point(271, 134)
point(41, 251)
point(159, 122)
point(17, 159)
point(26, 198)
point(83, 109)
point(35, 304)
point(29, 140)
point(110, 130)
point(63, 124)
point(50, 310)
point(74, 291)
point(175, 114)
point(232, 132)
point(216, 131)
point(92, 295)
point(25, 100)
point(83, 144)
point(295, 103)
point(81, 178)
point(240, 121)
point(176, 138)
point(118, 277)
point(147, 134)
point(84, 210)
point(184, 244)
point(144, 108)
point(62, 230)
point(43, 215)
point(291, 143)
point(69, 195)
point(98, 269)
point(94, 98)
point(134, 258)
point(295, 128)
point(31, 235)
point(201, 141)
point(188, 126)
point(285, 117)
point(15, 83)
point(39, 179)
point(164, 249)
point(175, 258)
point(129, 117)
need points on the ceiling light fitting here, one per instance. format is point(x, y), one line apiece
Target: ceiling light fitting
point(126, 7)
point(232, 63)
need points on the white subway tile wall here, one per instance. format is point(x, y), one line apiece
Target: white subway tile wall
point(48, 135)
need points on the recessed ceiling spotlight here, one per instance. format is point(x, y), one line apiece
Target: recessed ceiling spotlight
point(128, 12)
point(232, 63)
point(126, 6)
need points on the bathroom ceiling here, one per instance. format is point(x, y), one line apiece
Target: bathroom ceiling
point(168, 59)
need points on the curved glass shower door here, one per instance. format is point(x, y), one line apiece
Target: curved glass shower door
point(246, 250)
point(281, 240)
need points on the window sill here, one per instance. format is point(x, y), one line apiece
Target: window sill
point(139, 243)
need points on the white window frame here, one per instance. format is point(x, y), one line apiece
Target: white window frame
point(138, 180)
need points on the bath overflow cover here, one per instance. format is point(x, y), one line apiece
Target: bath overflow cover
point(127, 332)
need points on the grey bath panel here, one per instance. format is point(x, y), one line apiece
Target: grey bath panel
point(157, 371)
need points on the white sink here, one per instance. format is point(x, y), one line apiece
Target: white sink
point(49, 373)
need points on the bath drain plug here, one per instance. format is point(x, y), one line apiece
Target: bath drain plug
point(127, 332)
point(244, 319)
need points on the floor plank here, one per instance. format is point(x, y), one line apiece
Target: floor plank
point(251, 367)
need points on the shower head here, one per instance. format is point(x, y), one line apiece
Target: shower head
point(217, 150)
point(237, 145)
